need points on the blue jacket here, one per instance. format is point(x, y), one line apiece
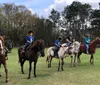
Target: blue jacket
point(58, 43)
point(86, 41)
point(30, 39)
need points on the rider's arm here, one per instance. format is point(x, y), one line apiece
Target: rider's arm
point(68, 40)
point(56, 43)
point(28, 39)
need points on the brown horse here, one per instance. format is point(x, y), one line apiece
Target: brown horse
point(3, 57)
point(92, 49)
point(31, 54)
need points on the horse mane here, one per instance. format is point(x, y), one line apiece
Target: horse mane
point(33, 44)
point(95, 40)
point(36, 42)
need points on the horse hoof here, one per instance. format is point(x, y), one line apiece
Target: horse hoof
point(22, 72)
point(28, 78)
point(58, 70)
point(74, 65)
point(62, 69)
point(7, 81)
point(35, 76)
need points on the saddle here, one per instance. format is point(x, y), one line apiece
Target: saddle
point(84, 47)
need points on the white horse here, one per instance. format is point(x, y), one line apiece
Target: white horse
point(64, 49)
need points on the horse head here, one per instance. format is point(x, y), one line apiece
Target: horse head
point(41, 47)
point(98, 40)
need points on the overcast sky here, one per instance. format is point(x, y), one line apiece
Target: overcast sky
point(43, 7)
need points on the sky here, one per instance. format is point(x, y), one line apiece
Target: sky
point(43, 7)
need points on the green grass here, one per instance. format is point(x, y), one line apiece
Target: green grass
point(82, 74)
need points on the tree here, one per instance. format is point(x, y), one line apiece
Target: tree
point(95, 22)
point(75, 16)
point(54, 16)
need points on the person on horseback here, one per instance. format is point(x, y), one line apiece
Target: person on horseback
point(87, 42)
point(29, 39)
point(69, 39)
point(57, 46)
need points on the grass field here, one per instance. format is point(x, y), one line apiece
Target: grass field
point(82, 74)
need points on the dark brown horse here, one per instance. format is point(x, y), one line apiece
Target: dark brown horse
point(31, 54)
point(3, 57)
point(92, 49)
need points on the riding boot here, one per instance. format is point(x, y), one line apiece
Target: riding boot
point(57, 55)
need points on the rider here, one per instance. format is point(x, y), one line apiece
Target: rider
point(29, 39)
point(69, 39)
point(57, 45)
point(87, 42)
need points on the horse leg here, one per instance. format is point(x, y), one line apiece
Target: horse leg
point(22, 63)
point(78, 57)
point(59, 65)
point(62, 64)
point(30, 68)
point(50, 61)
point(92, 59)
point(71, 61)
point(6, 71)
point(74, 60)
point(35, 69)
point(0, 73)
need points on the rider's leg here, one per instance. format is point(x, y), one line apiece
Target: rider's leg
point(57, 52)
point(87, 48)
point(68, 44)
point(25, 47)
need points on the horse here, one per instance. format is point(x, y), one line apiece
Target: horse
point(31, 54)
point(92, 49)
point(64, 49)
point(3, 57)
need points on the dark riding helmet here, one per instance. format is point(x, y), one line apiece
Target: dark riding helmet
point(87, 35)
point(30, 32)
point(60, 38)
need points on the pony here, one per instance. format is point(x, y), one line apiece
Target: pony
point(64, 49)
point(92, 49)
point(31, 54)
point(3, 57)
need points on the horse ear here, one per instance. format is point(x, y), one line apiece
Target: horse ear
point(97, 38)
